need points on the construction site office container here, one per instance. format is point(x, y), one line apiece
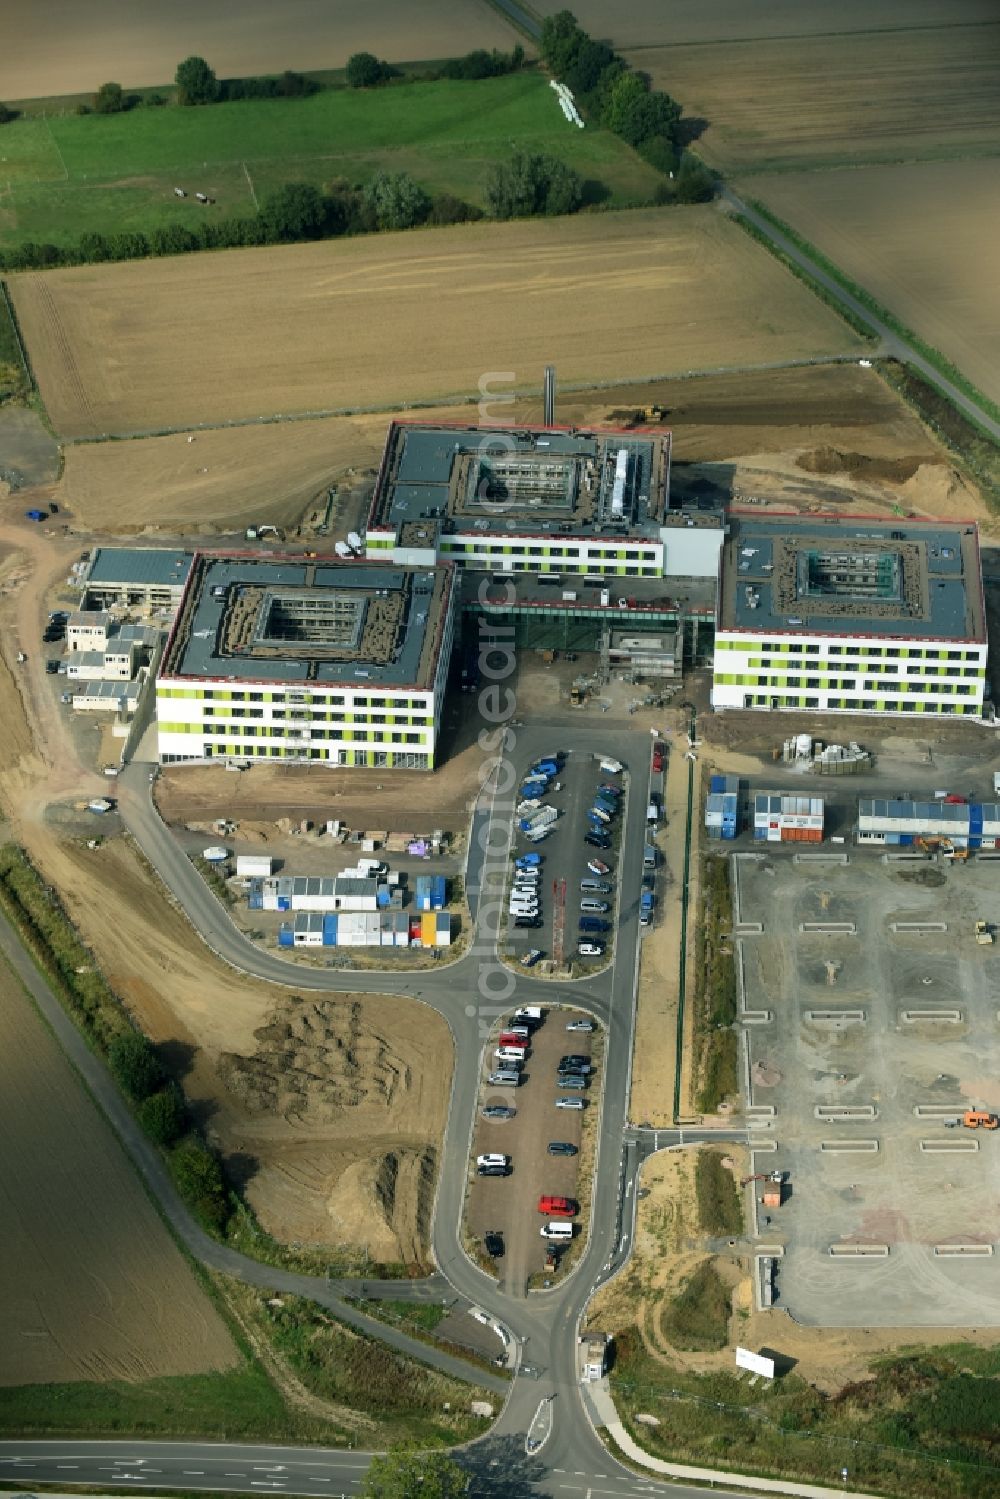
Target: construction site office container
point(439, 892)
point(286, 937)
point(254, 866)
point(423, 892)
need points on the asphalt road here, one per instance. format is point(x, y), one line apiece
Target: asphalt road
point(469, 993)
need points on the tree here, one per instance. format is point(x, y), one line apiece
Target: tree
point(295, 211)
point(396, 200)
point(196, 83)
point(635, 113)
point(109, 99)
point(134, 1064)
point(364, 70)
point(415, 1475)
point(198, 1177)
point(163, 1115)
point(6, 114)
point(172, 239)
point(532, 183)
point(695, 183)
point(560, 41)
point(583, 73)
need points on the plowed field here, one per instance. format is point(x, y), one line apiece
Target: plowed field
point(94, 1288)
point(925, 93)
point(648, 23)
point(147, 39)
point(921, 239)
point(345, 325)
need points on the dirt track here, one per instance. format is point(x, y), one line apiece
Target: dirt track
point(379, 321)
point(94, 1286)
point(149, 39)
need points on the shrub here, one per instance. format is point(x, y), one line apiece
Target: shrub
point(532, 183)
point(698, 1318)
point(196, 83)
point(163, 1115)
point(365, 70)
point(695, 182)
point(109, 99)
point(396, 201)
point(135, 1065)
point(447, 209)
point(295, 211)
point(198, 1178)
point(7, 114)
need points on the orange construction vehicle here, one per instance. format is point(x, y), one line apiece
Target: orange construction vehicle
point(979, 1119)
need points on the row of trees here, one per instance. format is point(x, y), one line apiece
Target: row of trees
point(526, 184)
point(608, 90)
point(365, 70)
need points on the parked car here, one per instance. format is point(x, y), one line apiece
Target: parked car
point(590, 949)
point(595, 887)
point(580, 1025)
point(511, 1053)
point(478, 1315)
point(657, 758)
point(52, 668)
point(561, 1147)
point(571, 1103)
point(59, 614)
point(594, 924)
point(558, 1207)
point(493, 1158)
point(571, 1080)
point(531, 957)
point(575, 1059)
point(528, 861)
point(557, 1230)
point(498, 1111)
point(492, 1170)
point(597, 840)
point(594, 907)
point(493, 1244)
point(598, 866)
point(504, 1077)
point(528, 921)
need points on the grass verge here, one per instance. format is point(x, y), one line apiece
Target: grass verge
point(922, 1423)
point(421, 1319)
point(933, 356)
point(15, 376)
point(698, 1317)
point(719, 1210)
point(715, 989)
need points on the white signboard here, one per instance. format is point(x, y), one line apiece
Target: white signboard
point(756, 1362)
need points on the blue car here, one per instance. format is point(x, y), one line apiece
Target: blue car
point(594, 924)
point(528, 861)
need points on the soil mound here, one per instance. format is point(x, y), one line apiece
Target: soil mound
point(828, 460)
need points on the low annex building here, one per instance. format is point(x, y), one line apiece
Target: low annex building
point(850, 616)
point(282, 658)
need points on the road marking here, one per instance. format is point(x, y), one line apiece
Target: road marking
point(193, 1472)
point(67, 1465)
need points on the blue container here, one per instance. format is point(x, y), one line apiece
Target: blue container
point(286, 937)
point(284, 902)
point(760, 834)
point(255, 900)
point(439, 892)
point(717, 785)
point(905, 839)
point(330, 930)
point(383, 895)
point(976, 819)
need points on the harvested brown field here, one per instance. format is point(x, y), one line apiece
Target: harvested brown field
point(424, 316)
point(649, 23)
point(94, 1287)
point(921, 239)
point(147, 39)
point(926, 93)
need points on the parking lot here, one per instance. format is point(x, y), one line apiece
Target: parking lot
point(510, 1204)
point(870, 1042)
point(563, 864)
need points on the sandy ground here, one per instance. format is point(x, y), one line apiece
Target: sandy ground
point(669, 1244)
point(646, 23)
point(348, 1161)
point(917, 238)
point(373, 322)
point(831, 434)
point(148, 39)
point(836, 99)
point(94, 1286)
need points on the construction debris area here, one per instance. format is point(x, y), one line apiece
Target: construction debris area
point(870, 1063)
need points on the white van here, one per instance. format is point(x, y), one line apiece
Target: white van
point(613, 767)
point(595, 907)
point(561, 1232)
point(511, 1053)
point(521, 907)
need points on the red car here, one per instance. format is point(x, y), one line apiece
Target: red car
point(657, 757)
point(560, 1207)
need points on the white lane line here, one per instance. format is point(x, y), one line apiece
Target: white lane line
point(193, 1472)
point(67, 1465)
